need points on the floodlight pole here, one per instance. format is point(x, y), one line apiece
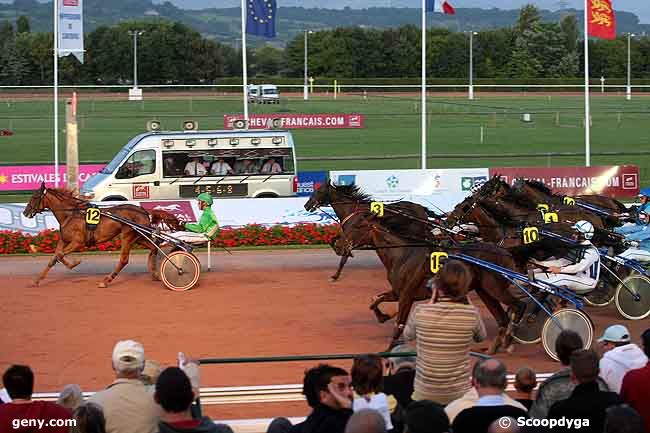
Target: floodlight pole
point(628, 93)
point(305, 88)
point(135, 34)
point(471, 65)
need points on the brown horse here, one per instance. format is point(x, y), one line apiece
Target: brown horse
point(348, 201)
point(74, 233)
point(407, 266)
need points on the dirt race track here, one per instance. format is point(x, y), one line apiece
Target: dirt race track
point(255, 303)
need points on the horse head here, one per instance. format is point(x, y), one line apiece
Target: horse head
point(321, 197)
point(37, 203)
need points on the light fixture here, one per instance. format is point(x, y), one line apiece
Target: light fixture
point(255, 141)
point(239, 124)
point(277, 140)
point(168, 143)
point(212, 141)
point(234, 141)
point(190, 143)
point(153, 125)
point(190, 125)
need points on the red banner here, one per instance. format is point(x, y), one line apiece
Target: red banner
point(601, 19)
point(298, 121)
point(614, 181)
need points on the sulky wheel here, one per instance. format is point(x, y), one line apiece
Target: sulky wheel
point(568, 318)
point(604, 293)
point(180, 271)
point(633, 297)
point(529, 329)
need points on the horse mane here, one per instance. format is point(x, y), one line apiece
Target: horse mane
point(67, 193)
point(540, 186)
point(499, 215)
point(352, 191)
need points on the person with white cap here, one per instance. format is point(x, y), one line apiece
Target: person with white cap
point(621, 356)
point(127, 404)
point(580, 269)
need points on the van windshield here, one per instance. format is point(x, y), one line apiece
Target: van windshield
point(121, 155)
point(270, 91)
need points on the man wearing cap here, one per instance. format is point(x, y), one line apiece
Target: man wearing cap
point(207, 226)
point(639, 239)
point(644, 199)
point(127, 404)
point(620, 356)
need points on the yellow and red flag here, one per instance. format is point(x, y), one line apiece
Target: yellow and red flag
point(601, 19)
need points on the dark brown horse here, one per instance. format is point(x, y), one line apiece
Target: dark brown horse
point(407, 265)
point(348, 201)
point(74, 233)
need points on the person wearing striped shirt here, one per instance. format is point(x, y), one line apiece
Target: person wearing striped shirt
point(443, 330)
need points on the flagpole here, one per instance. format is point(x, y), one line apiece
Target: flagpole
point(243, 56)
point(587, 114)
point(56, 93)
point(424, 85)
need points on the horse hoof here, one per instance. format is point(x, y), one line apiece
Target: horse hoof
point(511, 348)
point(33, 284)
point(333, 279)
point(74, 264)
point(155, 277)
point(102, 285)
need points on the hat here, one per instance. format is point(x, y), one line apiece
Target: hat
point(206, 198)
point(128, 355)
point(615, 334)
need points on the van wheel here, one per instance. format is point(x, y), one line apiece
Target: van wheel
point(267, 195)
point(115, 198)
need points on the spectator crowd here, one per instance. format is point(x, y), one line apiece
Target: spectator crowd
point(595, 391)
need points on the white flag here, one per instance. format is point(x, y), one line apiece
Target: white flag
point(71, 29)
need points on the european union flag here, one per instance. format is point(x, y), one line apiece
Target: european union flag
point(430, 5)
point(260, 19)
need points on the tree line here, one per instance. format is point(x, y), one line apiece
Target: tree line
point(172, 53)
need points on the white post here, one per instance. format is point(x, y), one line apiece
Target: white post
point(305, 89)
point(587, 113)
point(56, 93)
point(424, 85)
point(602, 84)
point(628, 93)
point(471, 65)
point(243, 58)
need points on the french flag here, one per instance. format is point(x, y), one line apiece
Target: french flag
point(445, 7)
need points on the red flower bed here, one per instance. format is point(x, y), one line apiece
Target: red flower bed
point(304, 234)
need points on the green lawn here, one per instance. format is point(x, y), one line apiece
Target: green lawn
point(392, 127)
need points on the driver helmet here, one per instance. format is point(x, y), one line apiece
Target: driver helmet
point(205, 198)
point(644, 193)
point(644, 218)
point(584, 227)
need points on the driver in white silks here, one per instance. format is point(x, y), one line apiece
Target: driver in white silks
point(580, 269)
point(639, 240)
point(207, 226)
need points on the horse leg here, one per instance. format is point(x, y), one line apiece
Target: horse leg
point(152, 263)
point(344, 259)
point(406, 300)
point(61, 250)
point(388, 296)
point(127, 242)
point(499, 315)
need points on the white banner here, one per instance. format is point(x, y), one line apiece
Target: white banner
point(230, 213)
point(71, 29)
point(437, 189)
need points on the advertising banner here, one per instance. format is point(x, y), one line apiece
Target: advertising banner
point(287, 211)
point(310, 181)
point(298, 121)
point(614, 181)
point(437, 189)
point(71, 29)
point(29, 177)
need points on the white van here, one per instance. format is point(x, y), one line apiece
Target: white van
point(263, 94)
point(172, 165)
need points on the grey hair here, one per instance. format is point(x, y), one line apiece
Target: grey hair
point(366, 421)
point(490, 373)
point(399, 361)
point(70, 397)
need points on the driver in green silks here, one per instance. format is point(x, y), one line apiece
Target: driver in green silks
point(207, 226)
point(208, 223)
